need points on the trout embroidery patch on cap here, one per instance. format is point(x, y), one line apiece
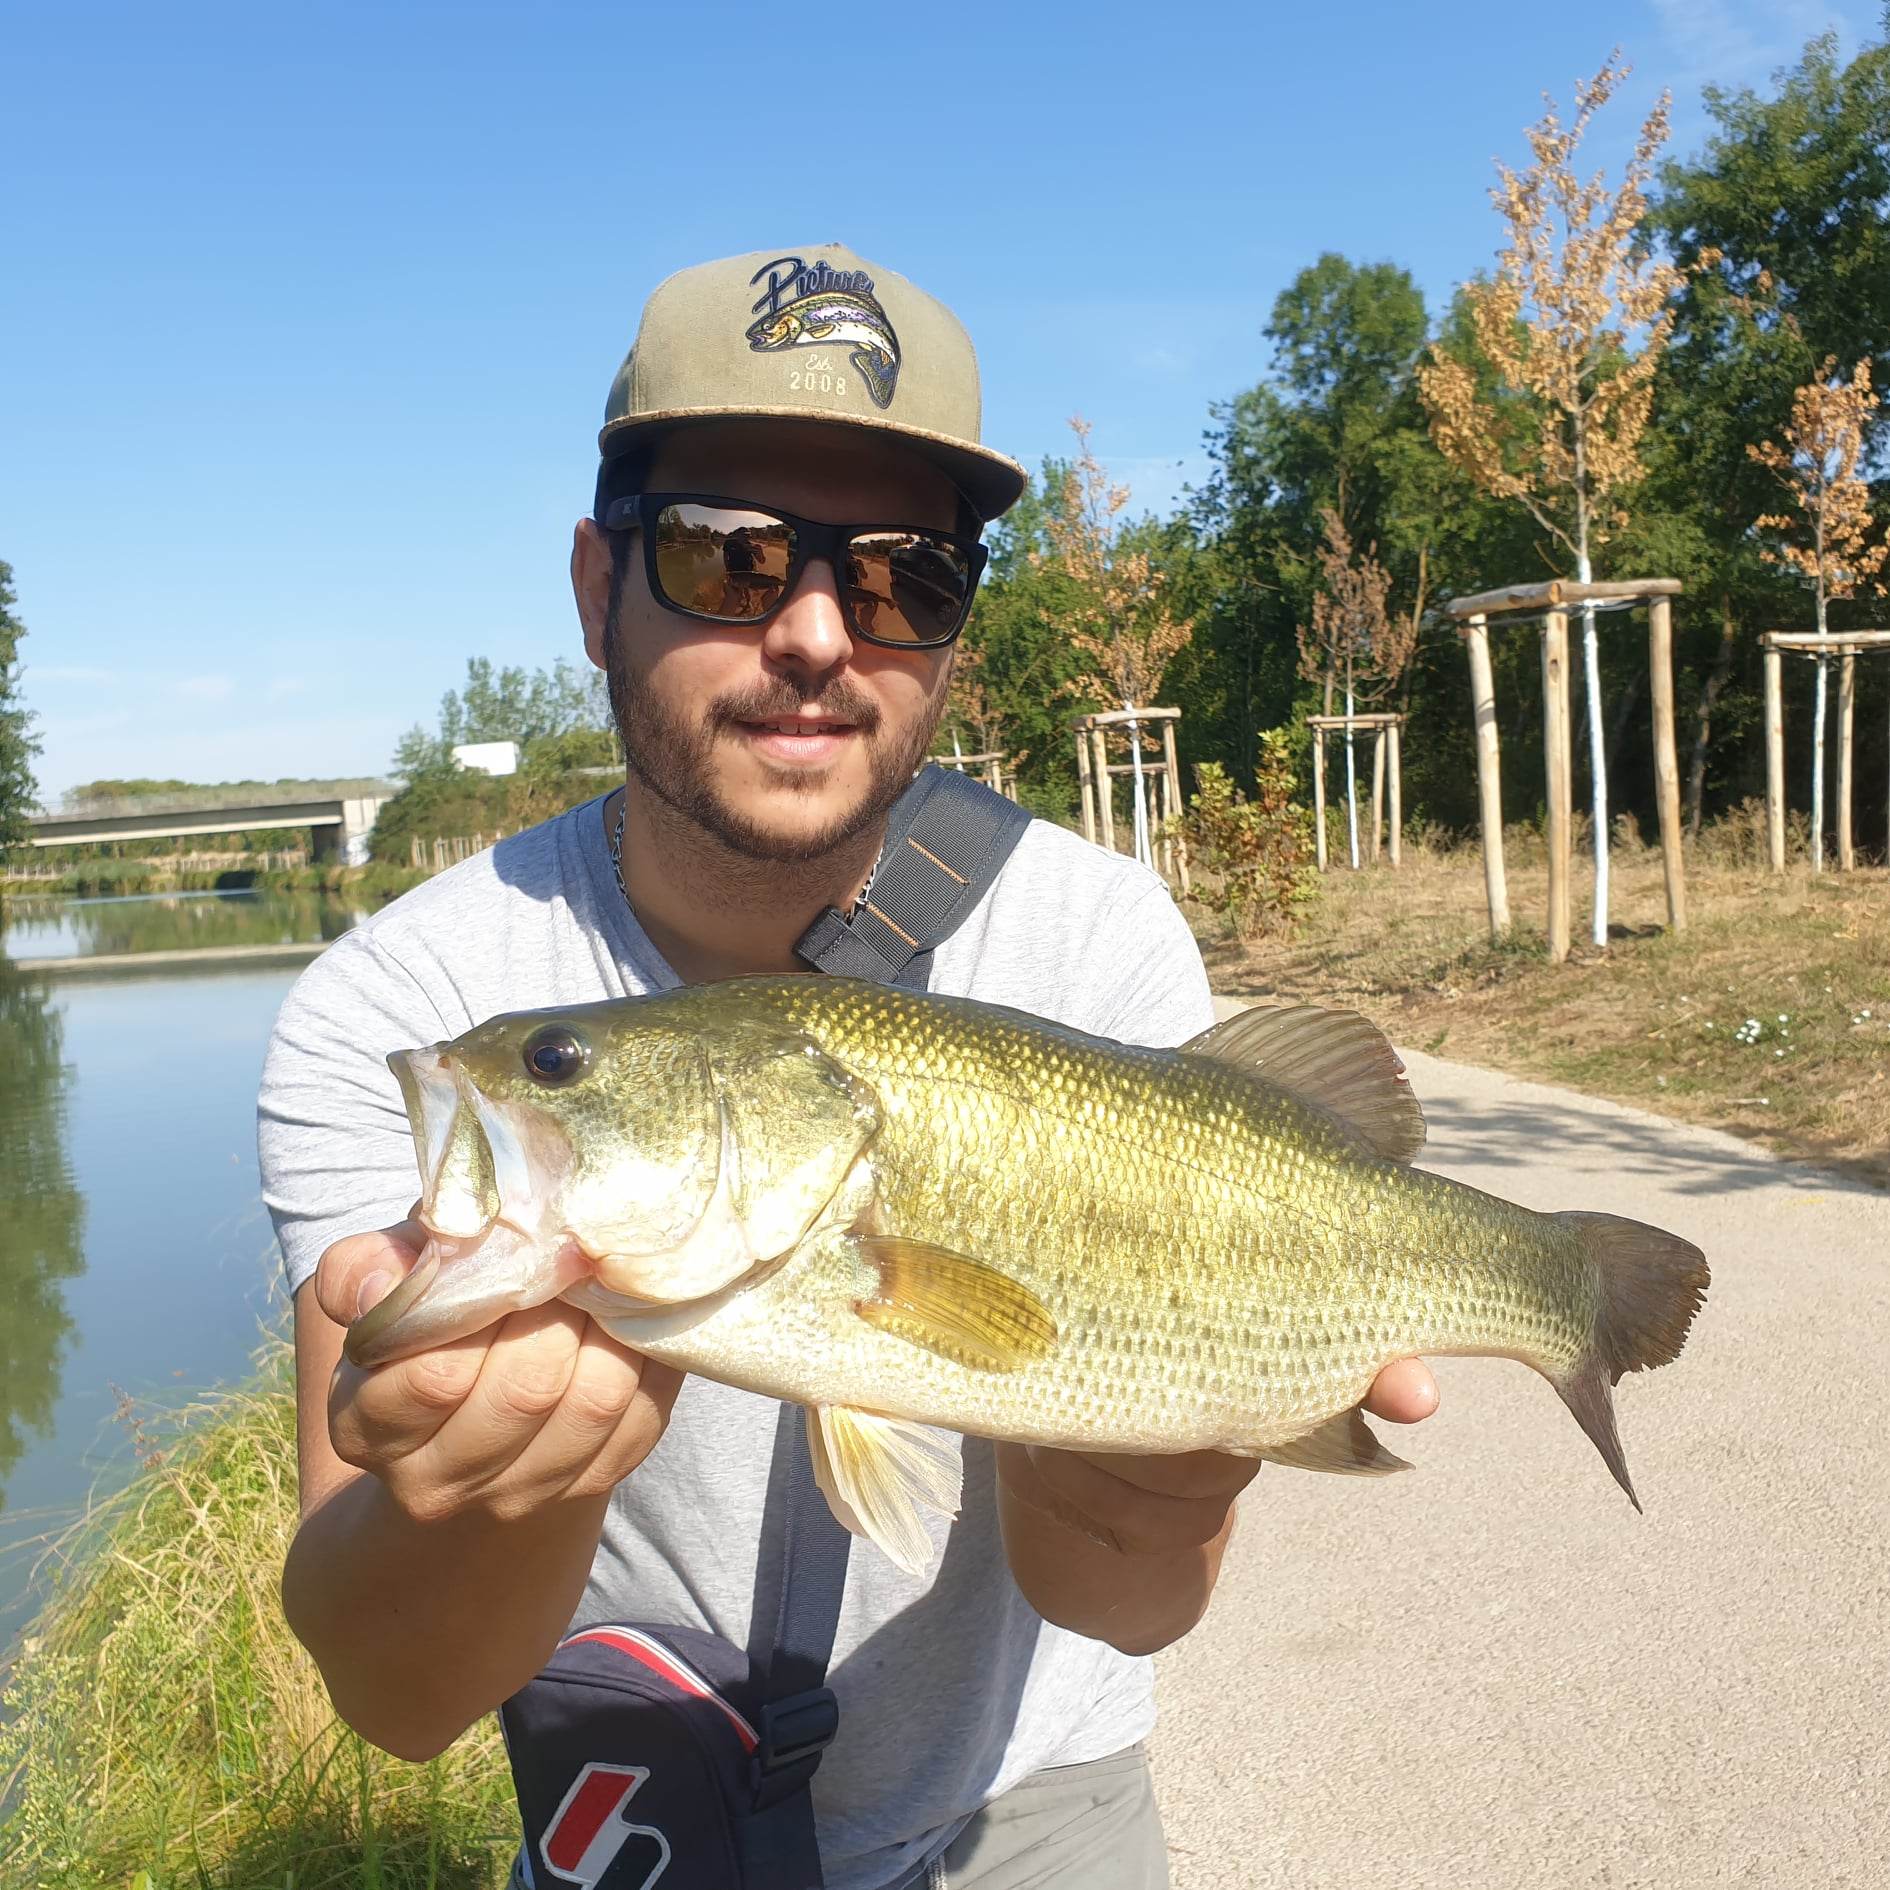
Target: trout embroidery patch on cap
point(822, 307)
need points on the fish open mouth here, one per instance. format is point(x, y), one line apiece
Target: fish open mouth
point(490, 1179)
point(478, 1164)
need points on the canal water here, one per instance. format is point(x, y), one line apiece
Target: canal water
point(134, 1250)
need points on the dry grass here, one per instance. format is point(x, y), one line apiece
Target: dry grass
point(1768, 1017)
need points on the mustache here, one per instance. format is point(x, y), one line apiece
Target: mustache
point(776, 700)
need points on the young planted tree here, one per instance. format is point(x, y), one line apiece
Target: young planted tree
point(1573, 325)
point(1354, 639)
point(1119, 620)
point(1828, 541)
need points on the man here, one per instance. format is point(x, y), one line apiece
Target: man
point(775, 692)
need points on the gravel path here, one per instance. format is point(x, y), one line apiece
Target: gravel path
point(1490, 1674)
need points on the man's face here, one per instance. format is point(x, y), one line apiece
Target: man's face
point(789, 740)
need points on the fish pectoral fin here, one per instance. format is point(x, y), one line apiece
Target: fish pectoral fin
point(880, 1475)
point(1336, 1060)
point(1344, 1445)
point(818, 331)
point(953, 1305)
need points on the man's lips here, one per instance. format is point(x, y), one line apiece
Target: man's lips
point(794, 725)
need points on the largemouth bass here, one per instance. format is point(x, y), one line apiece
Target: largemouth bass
point(904, 1211)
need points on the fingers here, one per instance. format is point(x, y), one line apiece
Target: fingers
point(543, 1406)
point(1403, 1393)
point(354, 1273)
point(1188, 1511)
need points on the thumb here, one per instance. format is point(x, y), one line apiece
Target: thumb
point(363, 1269)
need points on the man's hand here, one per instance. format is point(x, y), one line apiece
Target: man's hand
point(538, 1409)
point(1127, 1548)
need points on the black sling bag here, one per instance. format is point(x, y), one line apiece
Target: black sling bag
point(651, 1757)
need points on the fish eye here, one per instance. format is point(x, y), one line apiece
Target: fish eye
point(555, 1055)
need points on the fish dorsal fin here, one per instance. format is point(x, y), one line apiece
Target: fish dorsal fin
point(880, 1475)
point(1337, 1060)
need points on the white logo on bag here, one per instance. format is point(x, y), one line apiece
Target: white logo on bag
point(589, 1828)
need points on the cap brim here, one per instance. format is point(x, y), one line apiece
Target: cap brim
point(991, 480)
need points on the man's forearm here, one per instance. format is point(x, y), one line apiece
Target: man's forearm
point(1137, 1602)
point(420, 1628)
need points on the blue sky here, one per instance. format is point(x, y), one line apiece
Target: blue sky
point(307, 314)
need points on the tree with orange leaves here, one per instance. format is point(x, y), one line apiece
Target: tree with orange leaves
point(1354, 638)
point(1573, 325)
point(1120, 620)
point(1829, 541)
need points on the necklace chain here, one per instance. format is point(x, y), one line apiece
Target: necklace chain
point(616, 864)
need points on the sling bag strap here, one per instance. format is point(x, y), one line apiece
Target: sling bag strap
point(946, 839)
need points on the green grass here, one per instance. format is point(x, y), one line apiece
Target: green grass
point(161, 1728)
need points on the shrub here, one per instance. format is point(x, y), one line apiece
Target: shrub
point(1255, 857)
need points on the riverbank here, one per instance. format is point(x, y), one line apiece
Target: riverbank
point(373, 884)
point(1769, 1017)
point(159, 1724)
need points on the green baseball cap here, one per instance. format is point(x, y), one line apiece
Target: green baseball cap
point(809, 334)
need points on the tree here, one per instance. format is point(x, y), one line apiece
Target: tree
point(1119, 618)
point(19, 795)
point(1792, 195)
point(1574, 322)
point(1829, 541)
point(506, 705)
point(1353, 636)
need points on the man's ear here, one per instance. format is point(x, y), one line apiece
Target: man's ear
point(590, 585)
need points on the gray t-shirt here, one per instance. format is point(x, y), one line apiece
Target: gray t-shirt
point(951, 1687)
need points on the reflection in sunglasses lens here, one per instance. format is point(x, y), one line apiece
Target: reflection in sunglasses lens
point(904, 587)
point(732, 563)
point(722, 562)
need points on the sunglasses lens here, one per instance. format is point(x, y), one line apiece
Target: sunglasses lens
point(906, 587)
point(722, 562)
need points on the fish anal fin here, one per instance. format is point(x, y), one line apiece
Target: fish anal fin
point(1344, 1446)
point(953, 1305)
point(1336, 1060)
point(880, 1476)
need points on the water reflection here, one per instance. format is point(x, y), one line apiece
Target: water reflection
point(83, 928)
point(42, 1213)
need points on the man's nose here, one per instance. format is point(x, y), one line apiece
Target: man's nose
point(810, 629)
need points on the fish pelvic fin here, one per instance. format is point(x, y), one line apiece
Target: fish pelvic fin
point(1651, 1284)
point(1336, 1060)
point(1344, 1445)
point(881, 1475)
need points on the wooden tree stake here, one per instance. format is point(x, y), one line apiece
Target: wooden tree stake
point(1397, 794)
point(1847, 721)
point(1378, 793)
point(1105, 794)
point(1476, 637)
point(1171, 768)
point(1774, 759)
point(1085, 785)
point(1319, 796)
point(1666, 768)
point(1555, 744)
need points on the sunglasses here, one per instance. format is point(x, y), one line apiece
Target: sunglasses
point(725, 561)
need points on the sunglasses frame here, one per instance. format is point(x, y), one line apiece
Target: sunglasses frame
point(812, 538)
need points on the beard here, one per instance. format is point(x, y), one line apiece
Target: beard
point(674, 756)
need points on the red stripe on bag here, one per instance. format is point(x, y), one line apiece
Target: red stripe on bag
point(654, 1655)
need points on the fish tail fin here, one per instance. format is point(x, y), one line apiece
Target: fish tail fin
point(1651, 1285)
point(879, 372)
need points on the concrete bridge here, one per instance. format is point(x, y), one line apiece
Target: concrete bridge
point(338, 826)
